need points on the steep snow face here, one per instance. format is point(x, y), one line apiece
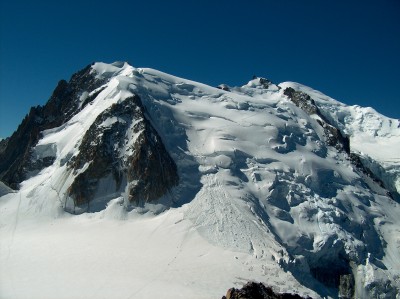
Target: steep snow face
point(373, 136)
point(262, 194)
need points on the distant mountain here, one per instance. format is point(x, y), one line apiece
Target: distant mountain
point(217, 186)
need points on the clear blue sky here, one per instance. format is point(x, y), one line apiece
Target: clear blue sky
point(347, 49)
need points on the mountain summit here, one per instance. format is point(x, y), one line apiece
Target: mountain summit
point(152, 185)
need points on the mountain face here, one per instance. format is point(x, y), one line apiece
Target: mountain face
point(67, 99)
point(301, 186)
point(121, 143)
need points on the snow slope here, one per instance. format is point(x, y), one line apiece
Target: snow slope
point(114, 254)
point(261, 197)
point(372, 135)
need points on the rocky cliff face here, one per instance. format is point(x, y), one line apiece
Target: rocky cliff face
point(3, 145)
point(123, 151)
point(67, 99)
point(253, 290)
point(333, 136)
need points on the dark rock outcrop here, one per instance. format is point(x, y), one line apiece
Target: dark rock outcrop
point(359, 165)
point(265, 82)
point(333, 136)
point(122, 145)
point(302, 100)
point(346, 286)
point(15, 152)
point(253, 290)
point(224, 87)
point(3, 145)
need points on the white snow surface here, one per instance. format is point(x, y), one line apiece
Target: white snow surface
point(372, 135)
point(267, 200)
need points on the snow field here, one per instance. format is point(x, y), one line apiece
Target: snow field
point(101, 256)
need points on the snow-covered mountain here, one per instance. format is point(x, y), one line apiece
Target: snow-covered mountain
point(132, 183)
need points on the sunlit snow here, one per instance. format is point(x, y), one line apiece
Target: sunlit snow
point(256, 181)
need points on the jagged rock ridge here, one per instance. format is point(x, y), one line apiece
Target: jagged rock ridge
point(67, 99)
point(333, 135)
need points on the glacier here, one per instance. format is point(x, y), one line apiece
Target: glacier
point(263, 195)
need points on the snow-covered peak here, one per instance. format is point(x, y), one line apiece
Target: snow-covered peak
point(105, 70)
point(352, 119)
point(184, 176)
point(370, 132)
point(261, 83)
point(258, 82)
